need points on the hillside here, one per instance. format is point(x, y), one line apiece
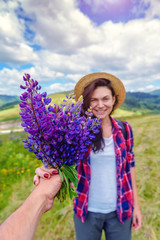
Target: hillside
point(5, 99)
point(136, 103)
point(155, 92)
point(144, 102)
point(10, 111)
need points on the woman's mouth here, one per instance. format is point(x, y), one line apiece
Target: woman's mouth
point(100, 112)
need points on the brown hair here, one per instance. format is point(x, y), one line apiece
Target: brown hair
point(98, 142)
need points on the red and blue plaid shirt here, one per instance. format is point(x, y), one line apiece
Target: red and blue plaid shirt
point(124, 161)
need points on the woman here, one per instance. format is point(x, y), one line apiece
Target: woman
point(107, 181)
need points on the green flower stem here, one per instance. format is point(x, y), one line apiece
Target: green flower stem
point(68, 174)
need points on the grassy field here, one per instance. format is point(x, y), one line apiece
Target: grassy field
point(17, 170)
point(10, 114)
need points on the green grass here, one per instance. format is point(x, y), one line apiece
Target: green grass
point(10, 114)
point(147, 154)
point(17, 171)
point(124, 113)
point(15, 162)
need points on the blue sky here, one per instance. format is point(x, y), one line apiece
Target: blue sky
point(58, 42)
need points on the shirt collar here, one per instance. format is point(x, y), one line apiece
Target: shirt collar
point(115, 126)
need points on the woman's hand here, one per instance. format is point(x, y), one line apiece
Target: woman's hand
point(43, 172)
point(47, 190)
point(137, 219)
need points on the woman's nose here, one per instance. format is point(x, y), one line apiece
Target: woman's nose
point(100, 104)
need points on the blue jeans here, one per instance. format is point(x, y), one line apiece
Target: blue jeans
point(92, 228)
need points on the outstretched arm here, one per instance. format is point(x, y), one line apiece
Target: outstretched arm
point(137, 217)
point(23, 222)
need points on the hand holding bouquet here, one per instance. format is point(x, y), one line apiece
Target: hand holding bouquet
point(58, 136)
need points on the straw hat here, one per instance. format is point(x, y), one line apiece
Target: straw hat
point(116, 84)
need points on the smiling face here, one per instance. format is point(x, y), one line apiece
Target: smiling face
point(102, 102)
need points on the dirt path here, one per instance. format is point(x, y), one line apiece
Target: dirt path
point(10, 126)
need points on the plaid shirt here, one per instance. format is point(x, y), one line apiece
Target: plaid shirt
point(124, 161)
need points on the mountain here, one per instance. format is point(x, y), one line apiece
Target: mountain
point(5, 99)
point(7, 102)
point(141, 101)
point(155, 92)
point(135, 101)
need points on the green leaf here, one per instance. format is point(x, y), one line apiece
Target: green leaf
point(66, 180)
point(73, 193)
point(60, 173)
point(69, 175)
point(73, 167)
point(73, 171)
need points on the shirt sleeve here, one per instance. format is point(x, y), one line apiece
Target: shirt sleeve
point(129, 144)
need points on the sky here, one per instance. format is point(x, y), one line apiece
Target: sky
point(59, 41)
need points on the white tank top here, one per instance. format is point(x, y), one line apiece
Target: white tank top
point(103, 186)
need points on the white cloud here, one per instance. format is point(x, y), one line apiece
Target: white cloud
point(43, 73)
point(14, 48)
point(60, 26)
point(154, 9)
point(72, 64)
point(73, 46)
point(148, 88)
point(59, 74)
point(149, 8)
point(57, 87)
point(10, 81)
point(74, 77)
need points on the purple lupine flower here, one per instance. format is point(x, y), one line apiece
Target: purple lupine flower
point(58, 136)
point(22, 87)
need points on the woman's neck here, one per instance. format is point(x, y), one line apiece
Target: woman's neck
point(106, 122)
point(106, 125)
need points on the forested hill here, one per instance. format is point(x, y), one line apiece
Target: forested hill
point(4, 99)
point(135, 101)
point(155, 92)
point(142, 101)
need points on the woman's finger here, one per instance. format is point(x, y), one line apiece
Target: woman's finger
point(45, 172)
point(36, 180)
point(41, 173)
point(49, 170)
point(134, 222)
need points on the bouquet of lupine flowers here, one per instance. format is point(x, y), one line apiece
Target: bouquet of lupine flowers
point(58, 136)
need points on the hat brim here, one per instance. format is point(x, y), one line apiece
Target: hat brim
point(116, 84)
